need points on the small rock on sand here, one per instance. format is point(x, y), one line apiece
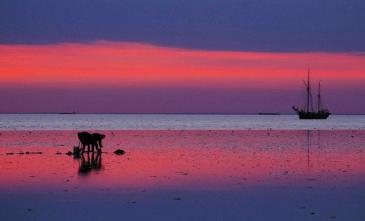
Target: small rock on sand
point(38, 152)
point(119, 152)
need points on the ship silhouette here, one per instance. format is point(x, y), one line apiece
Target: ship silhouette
point(308, 111)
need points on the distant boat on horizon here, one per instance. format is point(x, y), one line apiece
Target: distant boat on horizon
point(269, 113)
point(308, 111)
point(68, 112)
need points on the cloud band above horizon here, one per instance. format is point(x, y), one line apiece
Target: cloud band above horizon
point(133, 64)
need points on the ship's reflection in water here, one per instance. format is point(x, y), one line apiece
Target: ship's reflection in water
point(310, 145)
point(89, 162)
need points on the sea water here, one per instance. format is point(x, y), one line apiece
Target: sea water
point(175, 122)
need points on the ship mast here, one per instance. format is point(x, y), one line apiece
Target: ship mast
point(309, 95)
point(308, 91)
point(319, 103)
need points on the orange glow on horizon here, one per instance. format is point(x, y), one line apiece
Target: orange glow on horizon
point(134, 64)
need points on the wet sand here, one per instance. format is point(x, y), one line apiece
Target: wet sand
point(185, 175)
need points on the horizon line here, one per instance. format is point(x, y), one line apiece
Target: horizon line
point(182, 113)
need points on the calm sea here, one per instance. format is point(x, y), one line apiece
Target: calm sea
point(174, 122)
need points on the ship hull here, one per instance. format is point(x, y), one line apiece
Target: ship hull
point(313, 115)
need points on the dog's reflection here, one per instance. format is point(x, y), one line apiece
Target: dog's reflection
point(89, 162)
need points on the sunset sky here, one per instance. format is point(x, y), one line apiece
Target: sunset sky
point(234, 56)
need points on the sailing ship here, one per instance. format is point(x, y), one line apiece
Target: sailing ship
point(308, 111)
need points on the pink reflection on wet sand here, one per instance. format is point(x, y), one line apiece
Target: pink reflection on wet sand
point(186, 159)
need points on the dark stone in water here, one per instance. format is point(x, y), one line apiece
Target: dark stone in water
point(69, 153)
point(119, 152)
point(38, 152)
point(9, 153)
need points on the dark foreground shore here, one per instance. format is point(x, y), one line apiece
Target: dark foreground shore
point(184, 175)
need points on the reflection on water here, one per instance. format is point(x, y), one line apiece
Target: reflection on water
point(309, 144)
point(89, 162)
point(204, 175)
point(189, 159)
